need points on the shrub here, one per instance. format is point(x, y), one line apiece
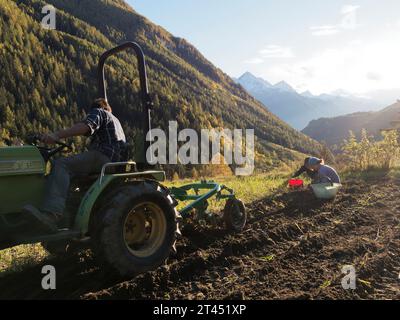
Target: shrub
point(367, 153)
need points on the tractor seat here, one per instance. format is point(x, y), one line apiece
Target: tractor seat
point(111, 168)
point(92, 177)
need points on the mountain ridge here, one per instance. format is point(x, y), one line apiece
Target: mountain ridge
point(334, 130)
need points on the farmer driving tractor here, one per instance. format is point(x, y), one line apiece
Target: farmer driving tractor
point(108, 145)
point(318, 171)
point(126, 216)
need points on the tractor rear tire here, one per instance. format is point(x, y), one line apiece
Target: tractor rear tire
point(235, 215)
point(137, 229)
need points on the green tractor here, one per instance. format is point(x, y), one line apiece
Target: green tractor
point(126, 215)
point(129, 217)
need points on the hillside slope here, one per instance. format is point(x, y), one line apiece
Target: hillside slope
point(334, 130)
point(49, 77)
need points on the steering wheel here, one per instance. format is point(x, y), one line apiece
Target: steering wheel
point(47, 153)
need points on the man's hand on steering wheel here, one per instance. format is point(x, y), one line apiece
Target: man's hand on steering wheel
point(50, 138)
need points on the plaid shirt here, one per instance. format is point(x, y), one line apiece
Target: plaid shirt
point(107, 134)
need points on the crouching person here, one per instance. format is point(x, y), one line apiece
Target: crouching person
point(318, 171)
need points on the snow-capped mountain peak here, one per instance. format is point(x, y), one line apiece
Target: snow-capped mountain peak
point(251, 82)
point(299, 109)
point(284, 86)
point(308, 94)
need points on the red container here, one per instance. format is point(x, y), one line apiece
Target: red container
point(296, 183)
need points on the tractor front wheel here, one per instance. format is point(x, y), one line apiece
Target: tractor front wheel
point(137, 229)
point(235, 216)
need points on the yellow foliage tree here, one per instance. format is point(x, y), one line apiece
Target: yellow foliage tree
point(217, 170)
point(363, 154)
point(388, 148)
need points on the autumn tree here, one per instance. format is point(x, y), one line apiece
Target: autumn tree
point(351, 151)
point(388, 148)
point(366, 153)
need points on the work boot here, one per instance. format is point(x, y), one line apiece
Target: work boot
point(47, 219)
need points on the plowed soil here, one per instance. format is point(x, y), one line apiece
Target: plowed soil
point(294, 247)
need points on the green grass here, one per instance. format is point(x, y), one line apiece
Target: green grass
point(326, 284)
point(269, 258)
point(248, 189)
point(18, 258)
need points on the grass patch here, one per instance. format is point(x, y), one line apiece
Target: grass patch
point(18, 258)
point(248, 189)
point(269, 258)
point(365, 283)
point(326, 284)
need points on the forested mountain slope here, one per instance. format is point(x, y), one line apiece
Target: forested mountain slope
point(48, 77)
point(335, 130)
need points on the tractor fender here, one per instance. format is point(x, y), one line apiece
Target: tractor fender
point(88, 202)
point(100, 187)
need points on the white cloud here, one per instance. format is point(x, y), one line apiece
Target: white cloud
point(357, 67)
point(348, 22)
point(374, 76)
point(254, 61)
point(393, 25)
point(349, 9)
point(271, 52)
point(275, 51)
point(324, 30)
point(349, 17)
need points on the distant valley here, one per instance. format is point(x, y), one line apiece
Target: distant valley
point(334, 130)
point(299, 109)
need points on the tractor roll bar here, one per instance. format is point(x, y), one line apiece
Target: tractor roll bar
point(142, 70)
point(145, 96)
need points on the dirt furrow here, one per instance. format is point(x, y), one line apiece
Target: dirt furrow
point(293, 248)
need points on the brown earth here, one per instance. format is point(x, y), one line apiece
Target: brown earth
point(294, 247)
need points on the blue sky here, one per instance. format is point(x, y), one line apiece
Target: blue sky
point(320, 46)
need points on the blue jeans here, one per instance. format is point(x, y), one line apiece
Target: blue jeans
point(63, 169)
